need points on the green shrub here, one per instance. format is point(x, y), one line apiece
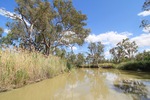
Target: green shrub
point(21, 76)
point(135, 65)
point(69, 65)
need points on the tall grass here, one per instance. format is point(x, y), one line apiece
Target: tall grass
point(22, 67)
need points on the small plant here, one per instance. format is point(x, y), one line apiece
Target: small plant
point(21, 76)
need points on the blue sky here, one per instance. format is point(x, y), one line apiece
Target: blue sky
point(108, 15)
point(110, 21)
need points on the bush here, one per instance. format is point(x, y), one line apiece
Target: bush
point(21, 76)
point(135, 65)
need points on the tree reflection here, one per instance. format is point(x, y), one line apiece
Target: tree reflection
point(98, 87)
point(132, 87)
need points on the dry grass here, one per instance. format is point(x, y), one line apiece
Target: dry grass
point(21, 67)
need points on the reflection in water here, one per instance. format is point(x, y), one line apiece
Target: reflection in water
point(86, 84)
point(110, 76)
point(133, 87)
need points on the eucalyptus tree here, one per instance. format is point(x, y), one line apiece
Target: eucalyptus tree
point(145, 23)
point(95, 53)
point(1, 31)
point(45, 25)
point(144, 56)
point(116, 54)
point(124, 50)
point(80, 59)
point(71, 58)
point(60, 53)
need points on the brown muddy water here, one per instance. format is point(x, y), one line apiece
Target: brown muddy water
point(87, 84)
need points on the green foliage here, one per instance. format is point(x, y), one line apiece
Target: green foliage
point(75, 60)
point(140, 63)
point(45, 26)
point(69, 66)
point(71, 58)
point(80, 60)
point(21, 76)
point(135, 65)
point(145, 56)
point(60, 53)
point(124, 51)
point(146, 23)
point(146, 5)
point(1, 31)
point(95, 54)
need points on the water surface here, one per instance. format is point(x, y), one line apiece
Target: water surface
point(87, 84)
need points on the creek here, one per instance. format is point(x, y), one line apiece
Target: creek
point(87, 84)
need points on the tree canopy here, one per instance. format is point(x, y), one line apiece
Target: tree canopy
point(124, 50)
point(45, 25)
point(1, 31)
point(145, 55)
point(95, 54)
point(145, 23)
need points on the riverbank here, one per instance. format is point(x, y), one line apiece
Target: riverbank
point(130, 65)
point(102, 65)
point(18, 68)
point(134, 66)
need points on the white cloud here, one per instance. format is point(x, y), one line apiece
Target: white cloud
point(142, 40)
point(107, 54)
point(144, 13)
point(6, 31)
point(73, 48)
point(112, 38)
point(148, 49)
point(108, 38)
point(145, 30)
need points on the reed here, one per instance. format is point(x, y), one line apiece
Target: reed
point(20, 67)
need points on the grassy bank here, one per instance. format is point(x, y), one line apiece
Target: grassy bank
point(107, 65)
point(102, 65)
point(18, 68)
point(130, 65)
point(134, 65)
